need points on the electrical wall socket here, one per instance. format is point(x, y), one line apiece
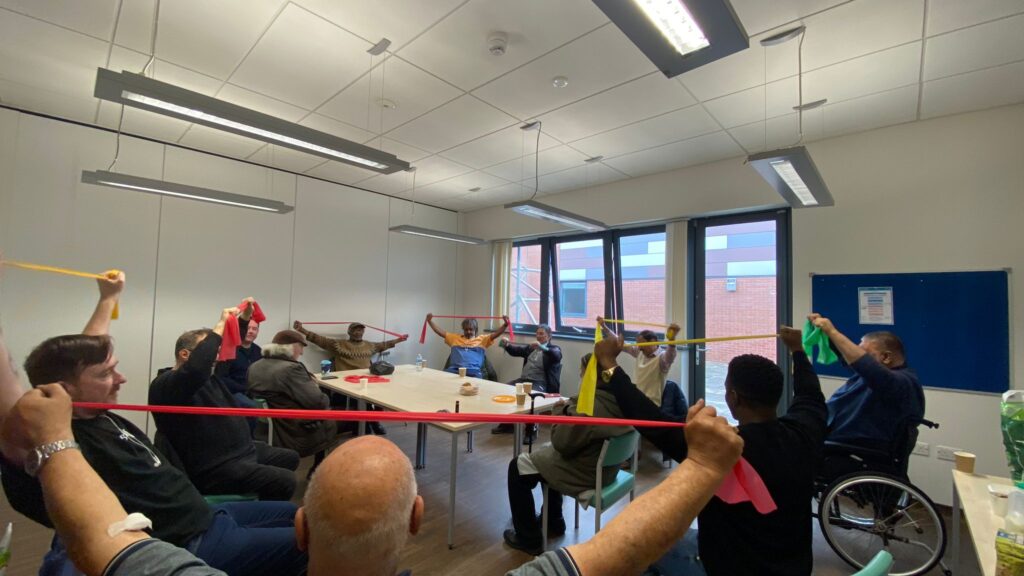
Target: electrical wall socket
point(946, 453)
point(922, 449)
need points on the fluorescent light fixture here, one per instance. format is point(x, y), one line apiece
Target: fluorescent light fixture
point(536, 209)
point(440, 235)
point(128, 182)
point(155, 96)
point(793, 175)
point(678, 36)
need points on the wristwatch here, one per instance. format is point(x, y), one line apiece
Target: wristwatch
point(38, 457)
point(606, 375)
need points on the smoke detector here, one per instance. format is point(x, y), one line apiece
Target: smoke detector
point(497, 43)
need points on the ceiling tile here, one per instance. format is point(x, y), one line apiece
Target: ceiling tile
point(162, 70)
point(339, 129)
point(219, 142)
point(390, 184)
point(699, 150)
point(412, 90)
point(497, 147)
point(303, 59)
point(859, 28)
point(578, 178)
point(455, 187)
point(285, 158)
point(260, 103)
point(41, 55)
point(759, 16)
point(92, 17)
point(948, 15)
point(742, 70)
point(342, 173)
point(749, 105)
point(436, 168)
point(671, 127)
point(551, 160)
point(211, 37)
point(403, 151)
point(595, 62)
point(868, 112)
point(38, 99)
point(397, 20)
point(876, 72)
point(456, 48)
point(781, 132)
point(454, 123)
point(135, 25)
point(642, 98)
point(973, 91)
point(982, 46)
point(499, 195)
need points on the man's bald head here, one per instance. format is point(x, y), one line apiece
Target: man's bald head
point(360, 508)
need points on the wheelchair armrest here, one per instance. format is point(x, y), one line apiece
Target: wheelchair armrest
point(854, 450)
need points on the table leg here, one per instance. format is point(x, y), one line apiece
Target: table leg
point(469, 442)
point(451, 489)
point(955, 520)
point(421, 446)
point(362, 428)
point(517, 440)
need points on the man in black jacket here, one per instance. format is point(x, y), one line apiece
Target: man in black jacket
point(218, 452)
point(734, 539)
point(542, 367)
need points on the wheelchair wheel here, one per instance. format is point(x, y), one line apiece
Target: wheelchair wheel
point(861, 514)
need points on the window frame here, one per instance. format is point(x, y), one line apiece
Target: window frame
point(551, 298)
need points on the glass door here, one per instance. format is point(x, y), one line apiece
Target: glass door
point(740, 282)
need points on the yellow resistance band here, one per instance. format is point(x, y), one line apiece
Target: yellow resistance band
point(109, 274)
point(703, 340)
point(656, 325)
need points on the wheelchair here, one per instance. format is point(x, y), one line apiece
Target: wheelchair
point(866, 503)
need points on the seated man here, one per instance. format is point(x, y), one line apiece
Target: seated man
point(283, 381)
point(240, 538)
point(218, 452)
point(735, 539)
point(542, 367)
point(652, 362)
point(566, 465)
point(360, 510)
point(468, 348)
point(874, 407)
point(352, 354)
point(236, 372)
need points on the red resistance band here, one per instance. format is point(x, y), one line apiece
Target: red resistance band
point(395, 334)
point(232, 337)
point(511, 334)
point(743, 484)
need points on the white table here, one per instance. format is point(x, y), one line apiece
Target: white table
point(430, 391)
point(970, 495)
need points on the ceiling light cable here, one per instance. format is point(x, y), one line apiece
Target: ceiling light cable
point(536, 163)
point(152, 44)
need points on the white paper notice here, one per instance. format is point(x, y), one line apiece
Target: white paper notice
point(875, 305)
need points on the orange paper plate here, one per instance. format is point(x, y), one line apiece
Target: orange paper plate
point(504, 399)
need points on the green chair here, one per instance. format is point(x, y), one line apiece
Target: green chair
point(163, 446)
point(262, 403)
point(879, 565)
point(614, 452)
point(214, 499)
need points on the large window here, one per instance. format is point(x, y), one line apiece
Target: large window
point(617, 274)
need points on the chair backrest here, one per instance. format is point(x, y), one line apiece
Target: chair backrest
point(879, 565)
point(617, 450)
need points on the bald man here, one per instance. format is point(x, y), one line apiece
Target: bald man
point(361, 505)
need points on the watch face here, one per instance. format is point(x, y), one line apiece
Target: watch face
point(32, 462)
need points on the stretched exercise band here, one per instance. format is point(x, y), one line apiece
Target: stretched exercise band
point(704, 340)
point(395, 334)
point(423, 333)
point(654, 324)
point(742, 484)
point(109, 274)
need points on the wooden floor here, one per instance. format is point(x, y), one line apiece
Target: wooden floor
point(482, 513)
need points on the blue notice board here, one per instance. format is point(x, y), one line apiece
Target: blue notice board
point(955, 325)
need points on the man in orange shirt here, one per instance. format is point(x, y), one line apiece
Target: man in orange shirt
point(468, 347)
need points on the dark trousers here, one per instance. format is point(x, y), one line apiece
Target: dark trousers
point(252, 538)
point(271, 476)
point(524, 511)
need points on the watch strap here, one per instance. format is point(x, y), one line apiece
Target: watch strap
point(46, 451)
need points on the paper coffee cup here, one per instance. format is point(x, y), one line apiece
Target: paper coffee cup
point(462, 372)
point(521, 399)
point(527, 388)
point(964, 462)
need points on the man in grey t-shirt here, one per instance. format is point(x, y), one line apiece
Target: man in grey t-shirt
point(83, 508)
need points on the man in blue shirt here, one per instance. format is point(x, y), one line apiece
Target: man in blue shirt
point(883, 396)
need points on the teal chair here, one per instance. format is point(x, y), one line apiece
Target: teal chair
point(614, 452)
point(879, 565)
point(262, 403)
point(214, 499)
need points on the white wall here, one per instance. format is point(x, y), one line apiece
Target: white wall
point(944, 194)
point(331, 259)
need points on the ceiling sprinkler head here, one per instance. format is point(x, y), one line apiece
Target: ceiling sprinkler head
point(387, 104)
point(497, 43)
point(559, 81)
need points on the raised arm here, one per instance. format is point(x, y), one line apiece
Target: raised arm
point(651, 524)
point(669, 356)
point(851, 351)
point(501, 329)
point(110, 293)
point(430, 321)
point(329, 344)
point(609, 333)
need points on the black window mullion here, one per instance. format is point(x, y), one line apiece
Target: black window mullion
point(545, 281)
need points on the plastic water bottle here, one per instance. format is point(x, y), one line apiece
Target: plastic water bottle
point(419, 362)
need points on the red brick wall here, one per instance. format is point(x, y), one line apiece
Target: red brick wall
point(748, 310)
